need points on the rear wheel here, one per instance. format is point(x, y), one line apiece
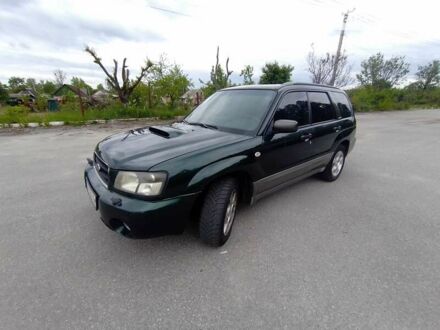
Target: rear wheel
point(218, 212)
point(335, 166)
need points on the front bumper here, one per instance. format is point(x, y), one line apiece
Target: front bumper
point(137, 218)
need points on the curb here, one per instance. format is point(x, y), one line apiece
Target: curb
point(87, 122)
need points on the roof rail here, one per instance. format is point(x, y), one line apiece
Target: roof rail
point(309, 84)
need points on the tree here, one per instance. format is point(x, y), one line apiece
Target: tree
point(60, 77)
point(273, 73)
point(321, 69)
point(46, 87)
point(247, 74)
point(31, 83)
point(141, 95)
point(100, 87)
point(81, 84)
point(429, 75)
point(381, 73)
point(173, 84)
point(16, 84)
point(164, 81)
point(219, 77)
point(124, 91)
point(3, 93)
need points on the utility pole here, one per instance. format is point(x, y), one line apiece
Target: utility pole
point(338, 52)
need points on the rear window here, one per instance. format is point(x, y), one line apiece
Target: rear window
point(342, 103)
point(322, 108)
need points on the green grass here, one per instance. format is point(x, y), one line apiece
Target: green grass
point(70, 114)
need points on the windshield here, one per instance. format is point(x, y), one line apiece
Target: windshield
point(239, 111)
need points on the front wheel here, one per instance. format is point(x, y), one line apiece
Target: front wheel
point(335, 166)
point(218, 212)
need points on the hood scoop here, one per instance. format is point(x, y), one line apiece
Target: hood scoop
point(165, 131)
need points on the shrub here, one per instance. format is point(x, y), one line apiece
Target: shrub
point(41, 103)
point(15, 114)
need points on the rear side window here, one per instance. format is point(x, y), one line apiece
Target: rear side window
point(322, 108)
point(342, 103)
point(294, 106)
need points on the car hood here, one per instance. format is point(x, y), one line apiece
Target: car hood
point(142, 148)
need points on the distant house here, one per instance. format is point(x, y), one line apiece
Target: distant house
point(97, 98)
point(61, 91)
point(192, 97)
point(27, 95)
point(102, 97)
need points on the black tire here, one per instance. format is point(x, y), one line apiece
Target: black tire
point(213, 213)
point(328, 174)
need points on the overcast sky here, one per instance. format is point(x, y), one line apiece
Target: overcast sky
point(39, 36)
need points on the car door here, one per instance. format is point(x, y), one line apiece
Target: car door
point(346, 116)
point(281, 151)
point(325, 124)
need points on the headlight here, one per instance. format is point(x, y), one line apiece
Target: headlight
point(141, 183)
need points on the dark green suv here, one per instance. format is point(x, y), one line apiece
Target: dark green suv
point(239, 145)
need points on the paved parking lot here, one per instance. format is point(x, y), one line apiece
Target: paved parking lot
point(361, 252)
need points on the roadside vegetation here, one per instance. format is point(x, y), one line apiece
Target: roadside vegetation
point(163, 90)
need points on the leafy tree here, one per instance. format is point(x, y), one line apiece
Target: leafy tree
point(47, 87)
point(273, 73)
point(3, 93)
point(381, 73)
point(159, 69)
point(81, 84)
point(127, 86)
point(165, 81)
point(429, 75)
point(60, 77)
point(321, 69)
point(173, 84)
point(141, 95)
point(100, 87)
point(41, 103)
point(31, 83)
point(247, 74)
point(16, 84)
point(219, 77)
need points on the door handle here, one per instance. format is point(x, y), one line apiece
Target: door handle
point(306, 137)
point(337, 128)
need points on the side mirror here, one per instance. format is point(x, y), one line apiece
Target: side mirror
point(285, 126)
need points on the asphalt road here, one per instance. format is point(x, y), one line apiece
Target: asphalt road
point(361, 252)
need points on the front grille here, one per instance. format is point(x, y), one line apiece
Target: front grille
point(102, 169)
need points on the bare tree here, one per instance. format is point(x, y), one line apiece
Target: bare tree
point(219, 77)
point(60, 77)
point(322, 69)
point(124, 91)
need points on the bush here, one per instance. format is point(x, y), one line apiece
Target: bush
point(70, 113)
point(368, 98)
point(15, 114)
point(373, 99)
point(41, 103)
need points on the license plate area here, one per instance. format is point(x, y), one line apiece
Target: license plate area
point(92, 195)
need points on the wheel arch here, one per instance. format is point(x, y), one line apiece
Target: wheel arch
point(230, 167)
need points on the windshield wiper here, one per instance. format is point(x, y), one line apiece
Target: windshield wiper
point(200, 124)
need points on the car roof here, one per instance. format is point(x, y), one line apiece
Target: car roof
point(286, 86)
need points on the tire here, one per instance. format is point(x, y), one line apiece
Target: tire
point(218, 212)
point(334, 168)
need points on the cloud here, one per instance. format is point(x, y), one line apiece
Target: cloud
point(32, 25)
point(38, 36)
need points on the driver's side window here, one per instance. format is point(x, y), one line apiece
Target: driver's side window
point(294, 106)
